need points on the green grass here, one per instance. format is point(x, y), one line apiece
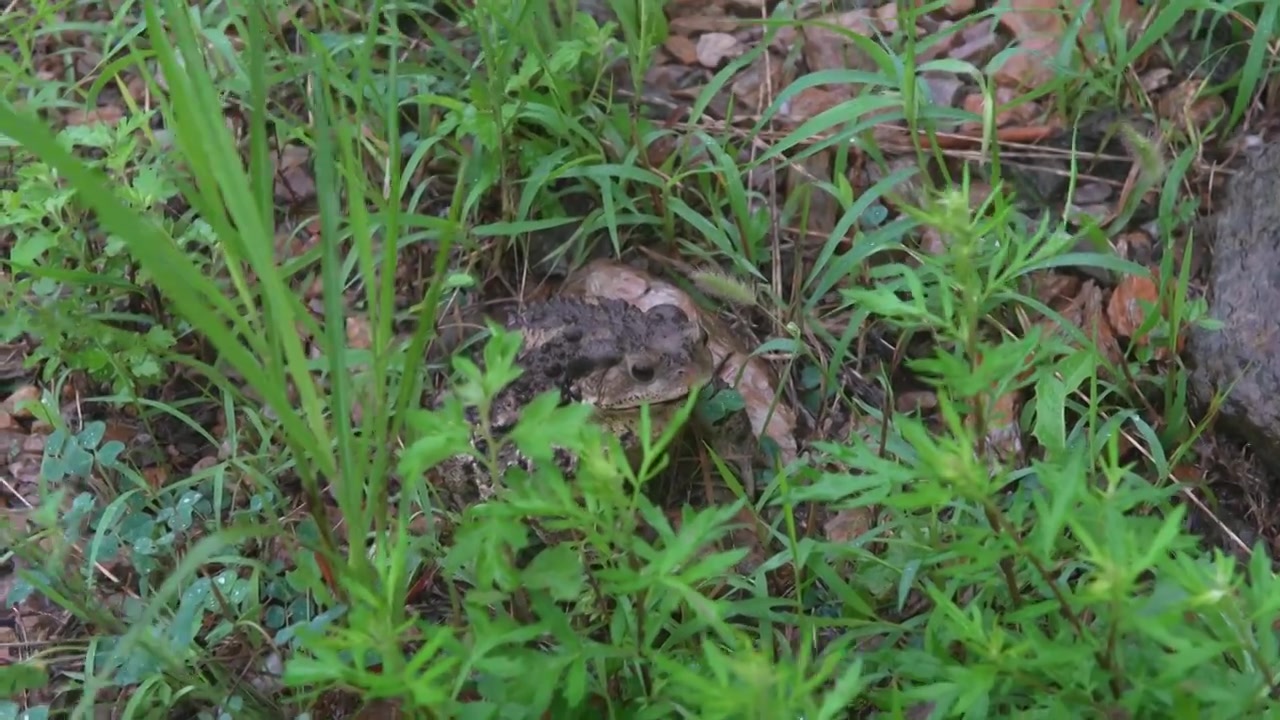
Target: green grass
point(1055, 582)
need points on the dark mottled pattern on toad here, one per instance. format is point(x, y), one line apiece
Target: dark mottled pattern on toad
point(607, 354)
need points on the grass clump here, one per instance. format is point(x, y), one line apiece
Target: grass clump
point(1022, 551)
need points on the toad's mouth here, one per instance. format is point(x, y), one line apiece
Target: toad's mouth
point(632, 403)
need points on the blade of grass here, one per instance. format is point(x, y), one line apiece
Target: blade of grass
point(348, 486)
point(208, 139)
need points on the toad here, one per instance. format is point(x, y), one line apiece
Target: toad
point(604, 353)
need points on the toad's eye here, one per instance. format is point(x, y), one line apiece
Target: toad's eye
point(641, 372)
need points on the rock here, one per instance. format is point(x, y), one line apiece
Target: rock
point(1244, 294)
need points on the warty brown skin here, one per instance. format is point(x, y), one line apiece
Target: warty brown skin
point(604, 353)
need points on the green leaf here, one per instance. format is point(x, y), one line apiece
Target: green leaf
point(23, 676)
point(546, 424)
point(78, 462)
point(558, 570)
point(442, 434)
point(92, 434)
point(190, 614)
point(109, 454)
point(29, 248)
point(840, 697)
point(716, 405)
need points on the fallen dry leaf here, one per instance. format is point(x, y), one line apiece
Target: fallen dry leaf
point(916, 401)
point(359, 334)
point(294, 181)
point(849, 524)
point(380, 710)
point(1127, 309)
point(754, 86)
point(1028, 66)
point(107, 115)
point(157, 476)
point(1185, 107)
point(809, 102)
point(1137, 246)
point(1018, 114)
point(1085, 311)
point(1055, 289)
point(1090, 193)
point(684, 50)
point(1038, 26)
point(698, 24)
point(1156, 79)
point(18, 404)
point(827, 49)
point(978, 43)
point(715, 48)
point(1004, 434)
point(824, 209)
point(931, 241)
point(943, 88)
point(121, 432)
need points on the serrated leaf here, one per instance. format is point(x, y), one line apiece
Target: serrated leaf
point(29, 248)
point(443, 434)
point(146, 367)
point(545, 423)
point(557, 570)
point(837, 701)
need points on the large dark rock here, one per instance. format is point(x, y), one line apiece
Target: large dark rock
point(1244, 294)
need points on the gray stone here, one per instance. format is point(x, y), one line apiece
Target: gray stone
point(1244, 294)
